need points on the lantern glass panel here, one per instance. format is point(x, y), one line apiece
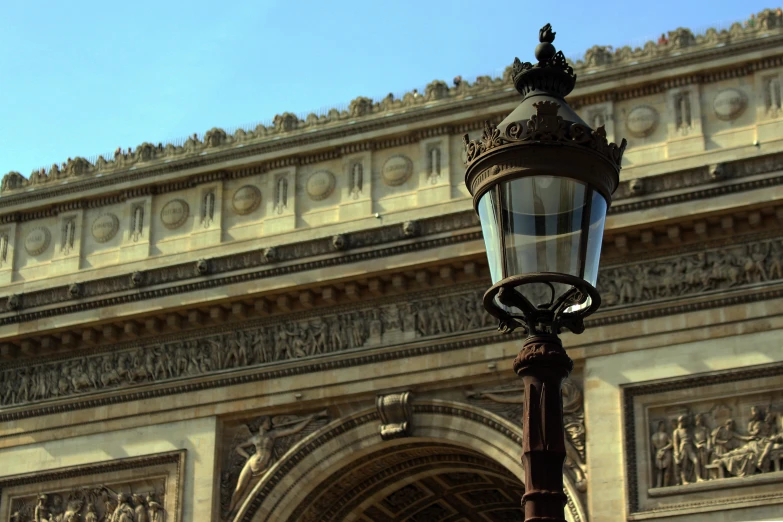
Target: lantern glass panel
point(542, 225)
point(488, 214)
point(595, 238)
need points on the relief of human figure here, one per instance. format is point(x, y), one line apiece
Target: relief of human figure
point(140, 512)
point(263, 444)
point(124, 512)
point(662, 449)
point(701, 437)
point(745, 459)
point(685, 455)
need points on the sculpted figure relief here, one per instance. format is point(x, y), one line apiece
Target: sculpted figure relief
point(273, 437)
point(92, 504)
point(692, 273)
point(662, 447)
point(697, 453)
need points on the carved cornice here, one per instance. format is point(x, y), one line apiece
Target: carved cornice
point(364, 115)
point(730, 182)
point(248, 260)
point(468, 332)
point(720, 232)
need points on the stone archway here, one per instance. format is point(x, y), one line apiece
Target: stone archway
point(461, 464)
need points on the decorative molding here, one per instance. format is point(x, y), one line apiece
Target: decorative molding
point(103, 485)
point(688, 48)
point(323, 437)
point(253, 259)
point(481, 337)
point(394, 410)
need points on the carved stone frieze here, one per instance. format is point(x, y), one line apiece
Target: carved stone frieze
point(394, 410)
point(717, 432)
point(138, 489)
point(286, 339)
point(252, 447)
point(692, 274)
point(710, 445)
point(92, 504)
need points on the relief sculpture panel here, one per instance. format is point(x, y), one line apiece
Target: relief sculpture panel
point(252, 447)
point(690, 274)
point(257, 344)
point(138, 489)
point(716, 438)
point(716, 444)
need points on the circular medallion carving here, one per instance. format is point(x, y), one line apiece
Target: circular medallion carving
point(641, 121)
point(246, 200)
point(729, 104)
point(105, 227)
point(37, 241)
point(397, 170)
point(320, 185)
point(174, 213)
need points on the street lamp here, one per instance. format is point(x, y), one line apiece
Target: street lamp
point(541, 182)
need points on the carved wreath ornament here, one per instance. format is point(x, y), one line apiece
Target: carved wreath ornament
point(544, 126)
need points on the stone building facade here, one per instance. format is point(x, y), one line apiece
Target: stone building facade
point(284, 323)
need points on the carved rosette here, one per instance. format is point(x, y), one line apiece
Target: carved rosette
point(174, 214)
point(105, 227)
point(395, 412)
point(397, 170)
point(641, 121)
point(729, 104)
point(37, 241)
point(320, 185)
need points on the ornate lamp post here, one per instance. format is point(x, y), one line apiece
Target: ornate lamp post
point(541, 182)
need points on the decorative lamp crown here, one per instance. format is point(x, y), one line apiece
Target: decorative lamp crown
point(542, 181)
point(552, 72)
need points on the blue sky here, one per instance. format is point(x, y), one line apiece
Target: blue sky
point(81, 78)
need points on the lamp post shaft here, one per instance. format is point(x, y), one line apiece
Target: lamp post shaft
point(543, 365)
